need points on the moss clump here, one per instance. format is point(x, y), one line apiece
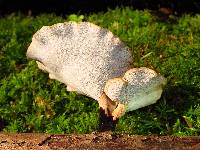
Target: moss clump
point(30, 102)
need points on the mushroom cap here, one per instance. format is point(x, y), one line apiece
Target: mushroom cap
point(138, 88)
point(81, 55)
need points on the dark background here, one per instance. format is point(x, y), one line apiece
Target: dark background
point(89, 6)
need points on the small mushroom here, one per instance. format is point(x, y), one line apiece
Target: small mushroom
point(139, 87)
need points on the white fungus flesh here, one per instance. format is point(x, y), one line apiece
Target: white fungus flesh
point(92, 61)
point(81, 55)
point(139, 87)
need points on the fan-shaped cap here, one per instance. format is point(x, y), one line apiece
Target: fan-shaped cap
point(81, 55)
point(139, 87)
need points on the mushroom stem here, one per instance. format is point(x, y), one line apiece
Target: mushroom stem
point(111, 108)
point(118, 112)
point(107, 104)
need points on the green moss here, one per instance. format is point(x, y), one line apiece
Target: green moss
point(30, 102)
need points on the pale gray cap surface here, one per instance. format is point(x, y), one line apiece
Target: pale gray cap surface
point(139, 87)
point(81, 55)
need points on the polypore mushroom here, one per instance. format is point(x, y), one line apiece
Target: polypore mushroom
point(139, 87)
point(88, 59)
